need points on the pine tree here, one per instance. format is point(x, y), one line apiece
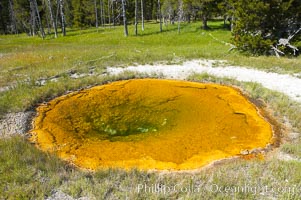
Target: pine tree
point(207, 8)
point(260, 25)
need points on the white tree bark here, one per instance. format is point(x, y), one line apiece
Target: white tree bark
point(136, 17)
point(35, 17)
point(32, 19)
point(285, 42)
point(180, 15)
point(142, 16)
point(54, 24)
point(39, 19)
point(63, 21)
point(124, 18)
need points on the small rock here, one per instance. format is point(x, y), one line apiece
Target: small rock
point(3, 89)
point(244, 152)
point(15, 123)
point(41, 82)
point(59, 195)
point(286, 157)
point(293, 136)
point(76, 76)
point(257, 150)
point(83, 198)
point(54, 79)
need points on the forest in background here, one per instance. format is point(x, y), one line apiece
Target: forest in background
point(37, 16)
point(260, 27)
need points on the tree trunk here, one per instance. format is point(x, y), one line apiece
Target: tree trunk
point(54, 24)
point(113, 16)
point(205, 24)
point(124, 18)
point(38, 18)
point(232, 23)
point(189, 18)
point(48, 24)
point(100, 12)
point(142, 16)
point(160, 15)
point(13, 17)
point(57, 12)
point(150, 14)
point(180, 15)
point(103, 13)
point(109, 13)
point(32, 19)
point(96, 15)
point(63, 21)
point(136, 17)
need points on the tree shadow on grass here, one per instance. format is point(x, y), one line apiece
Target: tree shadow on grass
point(166, 29)
point(213, 25)
point(76, 32)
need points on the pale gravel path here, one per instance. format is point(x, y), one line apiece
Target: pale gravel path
point(287, 84)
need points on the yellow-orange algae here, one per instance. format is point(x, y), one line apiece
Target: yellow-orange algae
point(150, 124)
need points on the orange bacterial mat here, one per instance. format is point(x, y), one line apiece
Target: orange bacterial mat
point(150, 124)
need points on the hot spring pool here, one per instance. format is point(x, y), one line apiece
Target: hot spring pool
point(150, 124)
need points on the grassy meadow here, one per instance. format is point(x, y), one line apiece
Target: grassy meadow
point(25, 62)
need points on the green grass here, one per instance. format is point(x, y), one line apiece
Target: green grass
point(24, 60)
point(27, 173)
